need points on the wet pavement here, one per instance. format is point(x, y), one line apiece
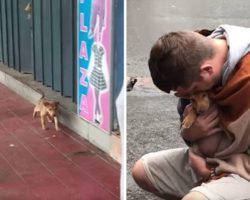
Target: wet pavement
point(152, 119)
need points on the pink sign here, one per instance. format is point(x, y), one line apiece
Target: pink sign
point(94, 62)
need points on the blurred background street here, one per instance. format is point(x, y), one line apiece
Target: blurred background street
point(152, 119)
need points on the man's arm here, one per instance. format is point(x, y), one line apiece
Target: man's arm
point(205, 124)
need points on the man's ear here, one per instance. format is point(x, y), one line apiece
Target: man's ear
point(206, 70)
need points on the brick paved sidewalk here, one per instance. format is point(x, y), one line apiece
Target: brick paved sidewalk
point(37, 164)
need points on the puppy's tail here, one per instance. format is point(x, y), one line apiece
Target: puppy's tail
point(41, 92)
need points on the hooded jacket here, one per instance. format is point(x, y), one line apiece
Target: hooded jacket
point(238, 40)
point(233, 101)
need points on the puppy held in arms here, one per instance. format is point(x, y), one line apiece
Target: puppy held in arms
point(209, 145)
point(48, 111)
point(200, 104)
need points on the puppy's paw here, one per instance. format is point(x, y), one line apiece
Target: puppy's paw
point(44, 128)
point(58, 129)
point(187, 122)
point(189, 119)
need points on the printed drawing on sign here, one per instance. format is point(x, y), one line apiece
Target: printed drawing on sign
point(94, 62)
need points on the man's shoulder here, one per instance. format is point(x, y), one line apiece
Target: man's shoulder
point(244, 62)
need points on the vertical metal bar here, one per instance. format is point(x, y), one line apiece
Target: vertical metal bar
point(56, 35)
point(111, 82)
point(32, 56)
point(117, 55)
point(38, 44)
point(47, 42)
point(42, 36)
point(67, 43)
point(6, 30)
point(2, 23)
point(34, 15)
point(9, 33)
point(74, 35)
point(1, 34)
point(52, 45)
point(3, 31)
point(62, 56)
point(61, 46)
point(18, 36)
point(11, 39)
point(25, 38)
point(5, 61)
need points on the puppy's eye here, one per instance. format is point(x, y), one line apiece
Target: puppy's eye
point(204, 95)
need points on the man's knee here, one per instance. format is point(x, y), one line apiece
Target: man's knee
point(194, 196)
point(140, 176)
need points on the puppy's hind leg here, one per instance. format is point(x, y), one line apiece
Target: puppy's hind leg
point(49, 119)
point(34, 113)
point(56, 124)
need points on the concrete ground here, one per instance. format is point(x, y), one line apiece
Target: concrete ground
point(152, 120)
point(152, 125)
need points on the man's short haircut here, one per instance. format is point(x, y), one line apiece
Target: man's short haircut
point(175, 59)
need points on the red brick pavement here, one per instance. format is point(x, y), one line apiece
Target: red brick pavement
point(51, 165)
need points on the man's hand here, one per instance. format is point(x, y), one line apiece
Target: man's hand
point(209, 168)
point(205, 125)
point(199, 165)
point(236, 163)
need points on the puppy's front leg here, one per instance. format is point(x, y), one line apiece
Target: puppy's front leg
point(43, 122)
point(34, 113)
point(189, 119)
point(56, 123)
point(49, 119)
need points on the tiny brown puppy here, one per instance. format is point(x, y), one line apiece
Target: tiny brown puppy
point(206, 146)
point(48, 110)
point(200, 104)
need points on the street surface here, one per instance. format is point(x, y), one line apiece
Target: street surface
point(152, 119)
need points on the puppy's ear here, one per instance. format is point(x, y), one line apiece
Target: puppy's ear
point(46, 103)
point(56, 103)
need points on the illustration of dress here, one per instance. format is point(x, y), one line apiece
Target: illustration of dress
point(97, 78)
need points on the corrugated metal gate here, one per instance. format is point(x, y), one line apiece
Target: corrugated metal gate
point(41, 41)
point(118, 54)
